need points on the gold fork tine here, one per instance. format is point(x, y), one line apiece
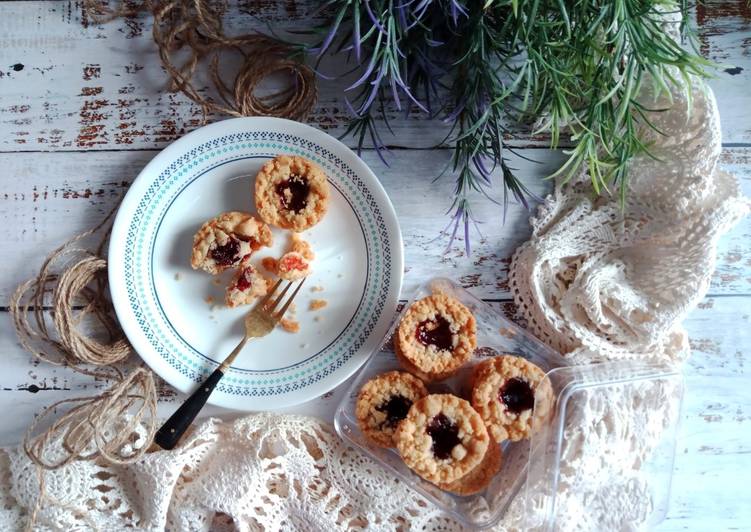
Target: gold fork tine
point(280, 313)
point(270, 308)
point(270, 293)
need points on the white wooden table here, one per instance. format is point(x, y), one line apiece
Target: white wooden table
point(83, 109)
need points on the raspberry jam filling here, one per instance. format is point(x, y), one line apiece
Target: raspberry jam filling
point(517, 395)
point(294, 193)
point(226, 254)
point(435, 332)
point(395, 408)
point(243, 283)
point(445, 435)
point(294, 263)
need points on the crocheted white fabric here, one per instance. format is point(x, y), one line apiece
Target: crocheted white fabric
point(281, 472)
point(262, 472)
point(602, 281)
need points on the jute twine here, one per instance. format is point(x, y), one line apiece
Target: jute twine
point(59, 316)
point(69, 308)
point(194, 31)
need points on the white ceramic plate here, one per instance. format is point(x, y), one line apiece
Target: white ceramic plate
point(162, 303)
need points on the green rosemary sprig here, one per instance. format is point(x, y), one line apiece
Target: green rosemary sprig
point(484, 66)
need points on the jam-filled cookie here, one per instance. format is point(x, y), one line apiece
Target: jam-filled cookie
point(478, 479)
point(512, 395)
point(223, 242)
point(291, 192)
point(436, 336)
point(292, 266)
point(246, 285)
point(442, 438)
point(384, 401)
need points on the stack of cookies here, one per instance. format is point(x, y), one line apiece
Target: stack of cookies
point(451, 441)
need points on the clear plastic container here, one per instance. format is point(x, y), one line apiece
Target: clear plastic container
point(532, 463)
point(632, 453)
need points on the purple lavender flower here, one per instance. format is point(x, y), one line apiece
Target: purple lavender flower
point(457, 9)
point(373, 18)
point(462, 217)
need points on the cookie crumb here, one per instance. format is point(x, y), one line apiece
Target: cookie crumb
point(290, 326)
point(217, 282)
point(209, 300)
point(269, 264)
point(302, 247)
point(246, 285)
point(317, 304)
point(317, 288)
point(177, 276)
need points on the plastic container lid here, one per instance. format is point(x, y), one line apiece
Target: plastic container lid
point(607, 456)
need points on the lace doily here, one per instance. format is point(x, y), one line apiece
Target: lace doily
point(262, 472)
point(281, 472)
point(601, 281)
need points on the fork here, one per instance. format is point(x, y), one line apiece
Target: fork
point(259, 322)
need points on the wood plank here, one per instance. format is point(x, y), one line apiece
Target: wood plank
point(69, 90)
point(79, 86)
point(65, 193)
point(713, 445)
point(62, 194)
point(723, 29)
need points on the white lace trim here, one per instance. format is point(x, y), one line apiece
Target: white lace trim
point(260, 472)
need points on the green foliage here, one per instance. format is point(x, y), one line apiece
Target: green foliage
point(485, 66)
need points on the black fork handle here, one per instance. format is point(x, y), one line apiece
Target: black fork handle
point(173, 429)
